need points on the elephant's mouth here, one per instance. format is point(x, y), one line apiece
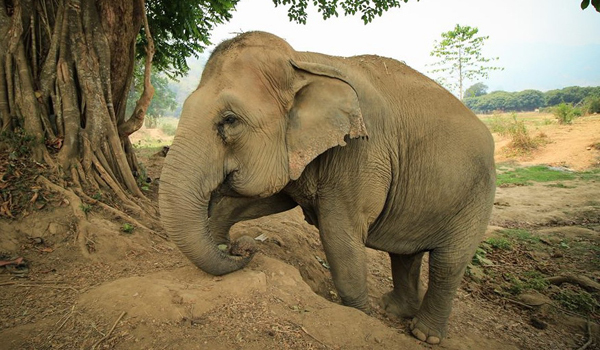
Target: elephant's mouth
point(226, 188)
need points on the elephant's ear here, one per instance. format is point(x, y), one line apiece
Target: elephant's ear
point(324, 111)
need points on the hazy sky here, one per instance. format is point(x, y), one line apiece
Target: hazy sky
point(541, 44)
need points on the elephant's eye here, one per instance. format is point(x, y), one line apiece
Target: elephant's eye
point(229, 119)
point(226, 126)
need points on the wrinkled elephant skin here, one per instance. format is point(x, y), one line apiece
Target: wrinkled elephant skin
point(376, 154)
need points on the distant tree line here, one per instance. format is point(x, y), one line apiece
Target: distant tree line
point(479, 101)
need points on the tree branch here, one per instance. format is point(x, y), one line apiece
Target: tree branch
point(135, 122)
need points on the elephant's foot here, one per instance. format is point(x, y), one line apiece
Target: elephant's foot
point(400, 306)
point(425, 332)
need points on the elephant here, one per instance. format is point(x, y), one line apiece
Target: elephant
point(376, 155)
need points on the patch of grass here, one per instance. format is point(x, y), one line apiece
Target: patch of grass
point(535, 280)
point(515, 285)
point(560, 185)
point(538, 173)
point(528, 281)
point(499, 243)
point(519, 234)
point(577, 300)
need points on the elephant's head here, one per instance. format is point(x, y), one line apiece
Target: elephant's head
point(261, 114)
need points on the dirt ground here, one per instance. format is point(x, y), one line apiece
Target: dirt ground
point(119, 288)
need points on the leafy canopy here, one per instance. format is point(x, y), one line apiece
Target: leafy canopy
point(182, 29)
point(460, 58)
point(367, 9)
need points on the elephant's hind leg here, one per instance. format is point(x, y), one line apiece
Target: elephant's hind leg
point(446, 269)
point(404, 300)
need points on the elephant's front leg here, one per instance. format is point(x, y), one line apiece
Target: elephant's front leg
point(346, 254)
point(224, 212)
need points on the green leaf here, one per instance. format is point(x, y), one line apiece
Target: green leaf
point(585, 4)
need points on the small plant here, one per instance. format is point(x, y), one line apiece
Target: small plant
point(127, 228)
point(142, 176)
point(97, 196)
point(86, 208)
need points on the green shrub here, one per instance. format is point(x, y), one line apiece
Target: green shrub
point(591, 104)
point(565, 113)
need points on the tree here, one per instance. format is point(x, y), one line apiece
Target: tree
point(460, 57)
point(478, 89)
point(529, 100)
point(65, 71)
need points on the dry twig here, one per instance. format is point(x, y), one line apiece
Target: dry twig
point(17, 284)
point(110, 331)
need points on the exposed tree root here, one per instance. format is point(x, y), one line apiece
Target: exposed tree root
point(590, 337)
point(582, 281)
point(84, 227)
point(121, 214)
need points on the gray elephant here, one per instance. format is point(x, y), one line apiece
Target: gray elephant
point(374, 153)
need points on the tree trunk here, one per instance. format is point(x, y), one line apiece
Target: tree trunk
point(65, 71)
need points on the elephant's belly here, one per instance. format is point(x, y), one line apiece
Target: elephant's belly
point(397, 242)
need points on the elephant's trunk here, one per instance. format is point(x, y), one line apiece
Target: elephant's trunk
point(186, 185)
